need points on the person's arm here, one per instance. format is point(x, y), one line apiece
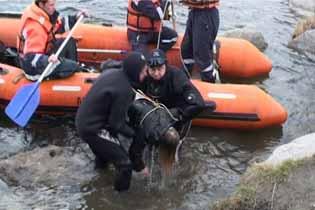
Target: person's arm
point(117, 116)
point(193, 102)
point(67, 22)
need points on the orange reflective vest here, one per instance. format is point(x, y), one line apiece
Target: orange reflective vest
point(136, 21)
point(201, 4)
point(37, 32)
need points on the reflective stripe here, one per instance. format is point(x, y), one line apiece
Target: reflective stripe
point(188, 61)
point(66, 88)
point(67, 25)
point(35, 59)
point(41, 20)
point(104, 134)
point(1, 81)
point(32, 77)
point(222, 95)
point(139, 96)
point(209, 68)
point(136, 2)
point(36, 77)
point(169, 40)
point(160, 11)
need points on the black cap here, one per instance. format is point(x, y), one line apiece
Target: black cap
point(133, 65)
point(156, 58)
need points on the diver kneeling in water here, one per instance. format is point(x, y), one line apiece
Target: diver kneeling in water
point(154, 126)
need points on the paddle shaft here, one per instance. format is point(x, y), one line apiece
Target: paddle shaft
point(173, 15)
point(86, 50)
point(50, 65)
point(161, 26)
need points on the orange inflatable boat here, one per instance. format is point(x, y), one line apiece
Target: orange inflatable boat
point(236, 57)
point(237, 106)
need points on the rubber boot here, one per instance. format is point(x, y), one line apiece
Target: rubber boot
point(123, 176)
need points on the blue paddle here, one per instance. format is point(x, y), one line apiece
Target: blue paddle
point(26, 100)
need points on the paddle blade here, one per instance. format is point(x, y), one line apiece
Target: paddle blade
point(23, 104)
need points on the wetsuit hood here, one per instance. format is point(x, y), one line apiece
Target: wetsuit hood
point(132, 67)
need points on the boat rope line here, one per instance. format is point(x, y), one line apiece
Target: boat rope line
point(252, 117)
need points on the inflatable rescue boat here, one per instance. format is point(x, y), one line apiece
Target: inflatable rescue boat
point(236, 57)
point(237, 106)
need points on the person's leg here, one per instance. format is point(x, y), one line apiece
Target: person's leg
point(108, 149)
point(138, 40)
point(205, 28)
point(70, 49)
point(167, 40)
point(64, 69)
point(187, 46)
point(35, 64)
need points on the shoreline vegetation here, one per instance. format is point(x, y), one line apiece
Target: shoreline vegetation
point(286, 186)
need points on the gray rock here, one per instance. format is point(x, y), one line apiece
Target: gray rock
point(50, 166)
point(255, 37)
point(299, 148)
point(303, 25)
point(304, 43)
point(302, 7)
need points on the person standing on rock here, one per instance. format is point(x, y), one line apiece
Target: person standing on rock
point(201, 31)
point(101, 118)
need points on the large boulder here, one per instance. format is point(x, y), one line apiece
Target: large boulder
point(302, 7)
point(251, 35)
point(297, 149)
point(304, 43)
point(49, 166)
point(304, 25)
point(284, 181)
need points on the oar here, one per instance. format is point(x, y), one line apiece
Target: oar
point(26, 100)
point(161, 26)
point(173, 15)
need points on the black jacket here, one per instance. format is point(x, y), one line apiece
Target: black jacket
point(105, 106)
point(175, 90)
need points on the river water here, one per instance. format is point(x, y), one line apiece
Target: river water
point(212, 160)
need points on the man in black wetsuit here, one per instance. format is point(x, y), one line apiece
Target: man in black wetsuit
point(101, 118)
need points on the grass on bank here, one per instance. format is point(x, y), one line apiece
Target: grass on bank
point(257, 177)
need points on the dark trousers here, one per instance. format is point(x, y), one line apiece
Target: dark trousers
point(140, 40)
point(69, 51)
point(109, 150)
point(34, 65)
point(201, 31)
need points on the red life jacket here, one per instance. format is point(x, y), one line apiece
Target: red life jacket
point(136, 21)
point(201, 4)
point(37, 32)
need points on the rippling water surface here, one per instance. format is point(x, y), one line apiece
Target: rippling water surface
point(212, 160)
